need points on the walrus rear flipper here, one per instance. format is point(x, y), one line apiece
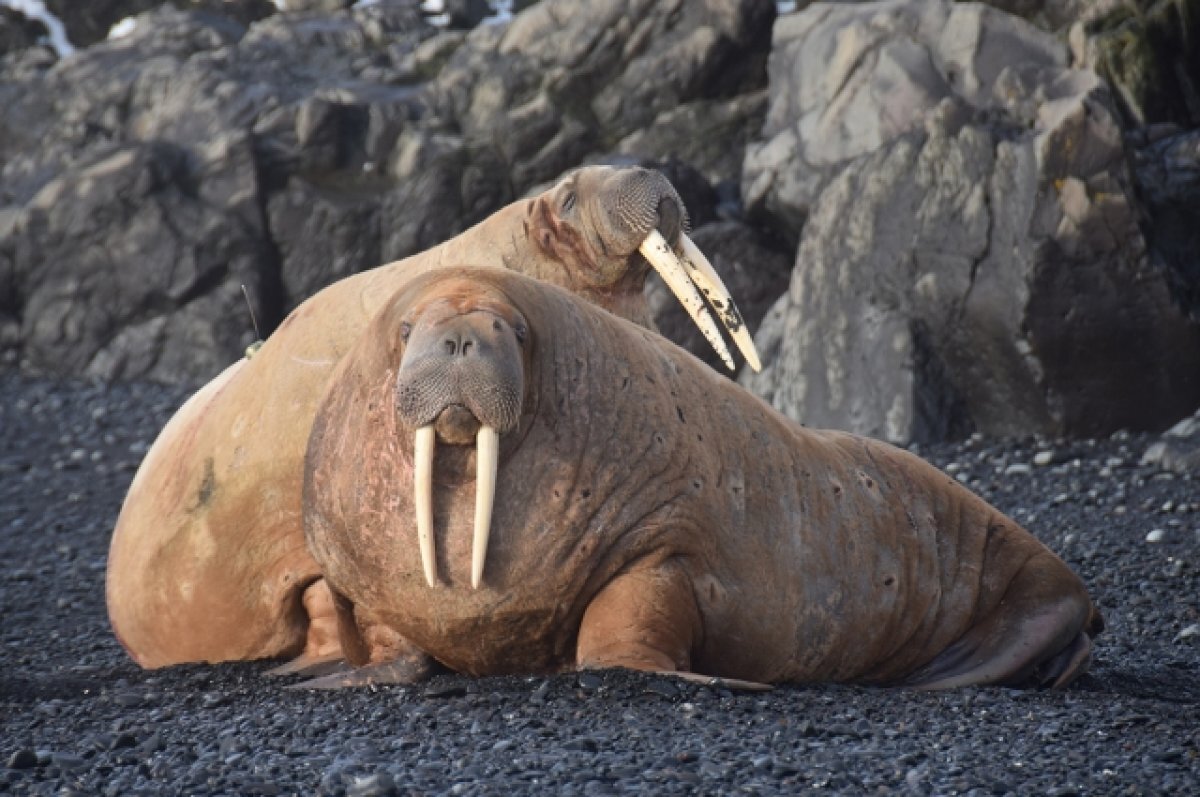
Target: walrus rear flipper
point(1029, 638)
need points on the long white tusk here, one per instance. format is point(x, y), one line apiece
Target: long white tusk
point(711, 285)
point(423, 496)
point(659, 254)
point(487, 458)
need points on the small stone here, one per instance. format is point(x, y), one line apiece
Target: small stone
point(590, 680)
point(378, 785)
point(1043, 458)
point(664, 688)
point(1189, 633)
point(539, 695)
point(1018, 469)
point(66, 761)
point(1156, 535)
point(446, 688)
point(212, 700)
point(23, 759)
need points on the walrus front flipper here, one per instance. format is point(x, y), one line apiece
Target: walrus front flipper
point(322, 645)
point(644, 619)
point(1031, 637)
point(374, 653)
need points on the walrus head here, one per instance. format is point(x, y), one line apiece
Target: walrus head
point(461, 378)
point(597, 218)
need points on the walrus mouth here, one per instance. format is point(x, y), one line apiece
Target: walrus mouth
point(688, 274)
point(487, 462)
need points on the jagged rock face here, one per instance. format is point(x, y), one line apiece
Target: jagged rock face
point(1179, 448)
point(17, 32)
point(247, 116)
point(355, 137)
point(1149, 51)
point(565, 79)
point(1168, 177)
point(89, 22)
point(980, 266)
point(956, 181)
point(845, 80)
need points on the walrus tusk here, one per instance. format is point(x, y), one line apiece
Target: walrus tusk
point(713, 287)
point(487, 457)
point(424, 445)
point(659, 254)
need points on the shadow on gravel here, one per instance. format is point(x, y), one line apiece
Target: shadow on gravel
point(1173, 682)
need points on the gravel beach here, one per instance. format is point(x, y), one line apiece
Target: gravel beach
point(78, 717)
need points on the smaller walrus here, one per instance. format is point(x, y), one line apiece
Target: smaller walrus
point(508, 480)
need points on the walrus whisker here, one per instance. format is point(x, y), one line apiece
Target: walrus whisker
point(253, 348)
point(713, 287)
point(424, 445)
point(658, 253)
point(487, 458)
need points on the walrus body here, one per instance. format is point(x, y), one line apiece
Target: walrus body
point(650, 514)
point(208, 560)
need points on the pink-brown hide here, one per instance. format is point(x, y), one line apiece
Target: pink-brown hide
point(651, 514)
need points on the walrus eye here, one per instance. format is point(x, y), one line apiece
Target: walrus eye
point(521, 331)
point(568, 202)
point(405, 331)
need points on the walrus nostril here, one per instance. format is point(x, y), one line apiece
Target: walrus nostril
point(459, 345)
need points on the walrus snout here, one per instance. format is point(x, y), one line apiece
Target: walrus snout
point(471, 360)
point(605, 216)
point(642, 200)
point(462, 376)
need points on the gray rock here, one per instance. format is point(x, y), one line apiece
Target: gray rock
point(845, 79)
point(566, 79)
point(90, 22)
point(294, 6)
point(18, 32)
point(1054, 14)
point(1179, 448)
point(133, 271)
point(710, 135)
point(295, 149)
point(1149, 53)
point(980, 266)
point(466, 14)
point(1167, 168)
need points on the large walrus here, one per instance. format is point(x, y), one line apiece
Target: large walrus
point(507, 479)
point(208, 561)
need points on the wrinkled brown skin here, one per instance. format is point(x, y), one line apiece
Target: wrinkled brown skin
point(208, 561)
point(651, 514)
